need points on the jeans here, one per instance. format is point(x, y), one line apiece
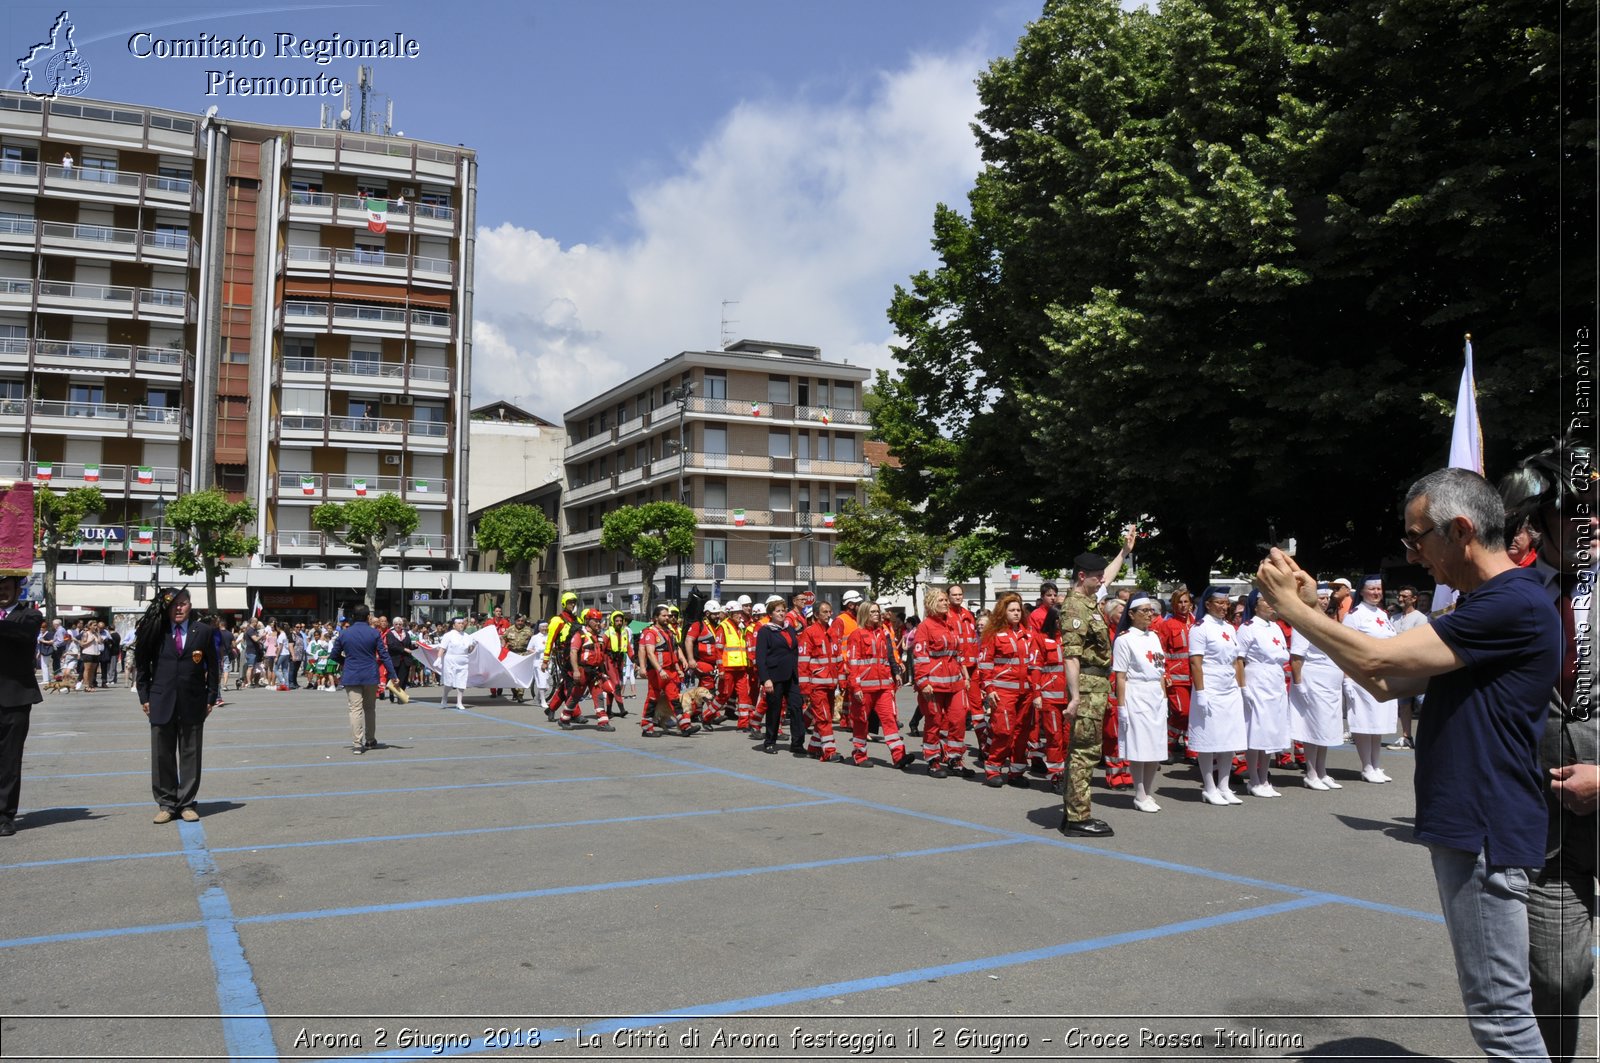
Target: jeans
point(1486, 914)
point(283, 671)
point(1561, 909)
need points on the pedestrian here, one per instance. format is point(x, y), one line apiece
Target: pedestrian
point(541, 667)
point(22, 640)
point(1407, 618)
point(455, 658)
point(358, 650)
point(941, 681)
point(1005, 670)
point(591, 674)
point(1488, 668)
point(179, 684)
point(1371, 719)
point(819, 681)
point(399, 641)
point(1086, 651)
point(868, 656)
point(1265, 653)
point(1173, 630)
point(1216, 708)
point(90, 646)
point(663, 663)
point(778, 670)
point(1139, 666)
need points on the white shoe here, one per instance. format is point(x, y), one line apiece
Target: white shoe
point(1314, 783)
point(1230, 797)
point(1263, 791)
point(1271, 791)
point(1385, 775)
point(1213, 797)
point(1330, 784)
point(1145, 804)
point(1373, 775)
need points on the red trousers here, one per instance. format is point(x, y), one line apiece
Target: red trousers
point(1054, 736)
point(979, 715)
point(880, 702)
point(734, 692)
point(593, 682)
point(1178, 716)
point(1010, 723)
point(818, 702)
point(944, 727)
point(1118, 771)
point(663, 690)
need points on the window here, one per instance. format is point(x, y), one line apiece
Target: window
point(431, 412)
point(367, 252)
point(822, 393)
point(11, 389)
point(715, 383)
point(363, 408)
point(778, 389)
point(780, 552)
point(778, 443)
point(716, 494)
point(822, 447)
point(364, 361)
point(804, 442)
point(803, 397)
point(83, 398)
point(716, 439)
point(844, 448)
point(842, 499)
point(715, 551)
point(168, 234)
point(803, 504)
point(104, 170)
point(844, 395)
point(778, 497)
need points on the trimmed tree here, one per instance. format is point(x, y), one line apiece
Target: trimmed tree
point(369, 526)
point(649, 533)
point(55, 528)
point(974, 555)
point(209, 529)
point(878, 541)
point(518, 534)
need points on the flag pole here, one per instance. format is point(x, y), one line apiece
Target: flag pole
point(1466, 451)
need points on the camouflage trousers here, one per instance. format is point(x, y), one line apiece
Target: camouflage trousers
point(1084, 750)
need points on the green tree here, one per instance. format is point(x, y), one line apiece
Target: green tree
point(649, 533)
point(518, 534)
point(973, 555)
point(878, 540)
point(369, 526)
point(55, 528)
point(208, 529)
point(1220, 258)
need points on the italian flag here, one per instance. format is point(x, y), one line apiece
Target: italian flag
point(308, 486)
point(827, 520)
point(146, 475)
point(738, 518)
point(377, 215)
point(420, 487)
point(91, 473)
point(826, 417)
point(45, 470)
point(755, 409)
point(145, 534)
point(361, 487)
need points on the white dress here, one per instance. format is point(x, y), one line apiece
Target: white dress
point(1266, 690)
point(1216, 714)
point(1142, 712)
point(541, 678)
point(1368, 715)
point(1318, 699)
point(455, 652)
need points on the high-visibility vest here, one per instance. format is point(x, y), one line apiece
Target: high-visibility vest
point(735, 653)
point(618, 639)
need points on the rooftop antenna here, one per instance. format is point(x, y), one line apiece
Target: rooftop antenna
point(374, 111)
point(727, 337)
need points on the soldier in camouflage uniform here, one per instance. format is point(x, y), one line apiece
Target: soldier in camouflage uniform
point(516, 639)
point(1086, 651)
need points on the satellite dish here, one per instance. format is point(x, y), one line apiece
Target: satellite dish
point(344, 115)
point(211, 112)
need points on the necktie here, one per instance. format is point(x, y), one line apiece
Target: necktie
point(177, 639)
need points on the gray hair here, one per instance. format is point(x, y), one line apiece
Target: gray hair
point(1452, 493)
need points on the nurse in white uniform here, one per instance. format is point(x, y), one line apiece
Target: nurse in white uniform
point(455, 653)
point(1141, 677)
point(1316, 702)
point(1216, 710)
point(1265, 650)
point(1370, 719)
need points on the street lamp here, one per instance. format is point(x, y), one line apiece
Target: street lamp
point(405, 606)
point(682, 395)
point(161, 516)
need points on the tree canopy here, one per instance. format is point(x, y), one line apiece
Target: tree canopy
point(649, 533)
point(56, 516)
point(1218, 265)
point(879, 540)
point(369, 526)
point(518, 534)
point(209, 530)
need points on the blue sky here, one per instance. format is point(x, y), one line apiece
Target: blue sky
point(639, 162)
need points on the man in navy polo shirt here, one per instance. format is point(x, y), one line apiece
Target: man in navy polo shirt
point(1487, 670)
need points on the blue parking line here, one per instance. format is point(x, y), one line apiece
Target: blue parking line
point(248, 798)
point(245, 1028)
point(342, 762)
point(463, 833)
point(740, 1005)
point(517, 895)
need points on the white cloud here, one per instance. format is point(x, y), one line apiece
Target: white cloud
point(807, 215)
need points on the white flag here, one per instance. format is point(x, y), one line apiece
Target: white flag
point(1466, 452)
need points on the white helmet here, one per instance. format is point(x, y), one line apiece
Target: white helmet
point(744, 600)
point(851, 596)
point(713, 606)
point(775, 598)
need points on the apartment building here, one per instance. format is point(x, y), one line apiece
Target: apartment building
point(187, 301)
point(765, 441)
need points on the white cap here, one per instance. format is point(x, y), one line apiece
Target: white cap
point(713, 606)
point(1341, 581)
point(852, 596)
point(774, 598)
point(744, 599)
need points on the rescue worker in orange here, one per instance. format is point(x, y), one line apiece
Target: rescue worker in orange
point(1005, 669)
point(1050, 679)
point(702, 644)
point(734, 690)
point(618, 640)
point(940, 678)
point(844, 625)
point(819, 678)
point(869, 683)
point(591, 674)
point(557, 637)
point(658, 645)
point(1173, 631)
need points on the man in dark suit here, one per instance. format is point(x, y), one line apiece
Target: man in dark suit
point(778, 671)
point(20, 623)
point(178, 682)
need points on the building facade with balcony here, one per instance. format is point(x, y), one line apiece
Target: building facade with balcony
point(188, 301)
point(765, 441)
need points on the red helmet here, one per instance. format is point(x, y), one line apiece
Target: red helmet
point(592, 614)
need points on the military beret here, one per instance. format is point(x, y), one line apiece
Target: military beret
point(1087, 562)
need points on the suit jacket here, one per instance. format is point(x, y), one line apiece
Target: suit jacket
point(777, 653)
point(1572, 736)
point(181, 686)
point(19, 648)
point(358, 649)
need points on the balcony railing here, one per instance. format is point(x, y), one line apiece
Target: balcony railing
point(355, 315)
point(325, 256)
point(358, 205)
point(293, 484)
point(830, 415)
point(416, 373)
point(304, 542)
point(131, 239)
point(111, 479)
point(148, 299)
point(122, 183)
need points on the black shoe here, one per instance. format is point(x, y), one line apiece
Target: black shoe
point(371, 744)
point(550, 714)
point(1019, 781)
point(7, 828)
point(619, 711)
point(769, 748)
point(995, 781)
point(1036, 767)
point(1087, 828)
point(358, 750)
point(564, 723)
point(862, 763)
point(1059, 787)
point(650, 734)
point(799, 753)
point(938, 772)
point(907, 763)
point(604, 727)
point(687, 731)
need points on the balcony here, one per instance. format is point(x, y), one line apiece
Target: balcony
point(699, 461)
point(313, 318)
point(118, 186)
point(359, 264)
point(581, 540)
point(833, 470)
point(308, 543)
point(74, 356)
point(828, 415)
point(104, 241)
point(16, 294)
point(760, 518)
point(628, 428)
point(368, 375)
point(431, 436)
point(17, 233)
point(152, 304)
point(321, 207)
point(316, 487)
point(585, 491)
point(601, 439)
point(113, 480)
point(730, 408)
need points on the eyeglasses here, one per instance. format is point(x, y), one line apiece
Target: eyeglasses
point(1413, 542)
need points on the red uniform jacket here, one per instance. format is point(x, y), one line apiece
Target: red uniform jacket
point(936, 650)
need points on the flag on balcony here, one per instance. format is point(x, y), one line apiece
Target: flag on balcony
point(91, 473)
point(146, 534)
point(377, 215)
point(827, 520)
point(826, 417)
point(308, 485)
point(361, 487)
point(46, 469)
point(146, 475)
point(755, 409)
point(738, 518)
point(255, 611)
point(420, 487)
